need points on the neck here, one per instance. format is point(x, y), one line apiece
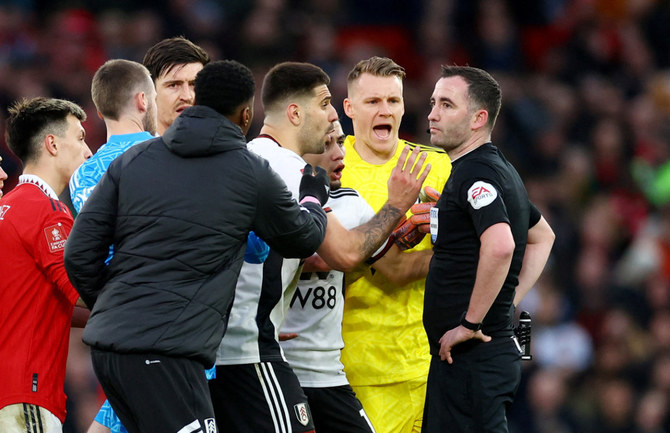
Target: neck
point(473, 143)
point(125, 125)
point(49, 176)
point(373, 155)
point(284, 137)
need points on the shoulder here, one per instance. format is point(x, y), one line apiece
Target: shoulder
point(424, 147)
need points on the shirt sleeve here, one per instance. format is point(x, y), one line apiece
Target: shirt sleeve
point(49, 250)
point(480, 193)
point(91, 237)
point(292, 230)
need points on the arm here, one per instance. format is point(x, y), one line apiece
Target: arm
point(540, 240)
point(402, 268)
point(294, 231)
point(344, 249)
point(88, 244)
point(495, 257)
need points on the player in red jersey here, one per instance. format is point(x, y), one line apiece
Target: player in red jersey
point(37, 299)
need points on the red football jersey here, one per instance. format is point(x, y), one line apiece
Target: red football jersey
point(36, 297)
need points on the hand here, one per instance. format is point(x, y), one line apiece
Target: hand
point(314, 184)
point(421, 211)
point(455, 336)
point(406, 235)
point(406, 179)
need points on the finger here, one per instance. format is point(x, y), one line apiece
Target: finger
point(401, 160)
point(431, 193)
point(283, 336)
point(411, 159)
point(425, 172)
point(422, 208)
point(416, 168)
point(308, 169)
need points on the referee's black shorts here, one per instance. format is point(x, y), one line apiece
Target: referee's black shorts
point(155, 393)
point(264, 397)
point(336, 409)
point(473, 394)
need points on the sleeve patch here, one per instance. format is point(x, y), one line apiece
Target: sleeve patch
point(481, 194)
point(56, 237)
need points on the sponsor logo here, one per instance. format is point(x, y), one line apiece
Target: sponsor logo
point(56, 237)
point(152, 361)
point(210, 425)
point(481, 194)
point(302, 413)
point(3, 210)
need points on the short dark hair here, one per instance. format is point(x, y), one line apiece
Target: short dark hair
point(378, 66)
point(168, 53)
point(115, 83)
point(483, 90)
point(224, 85)
point(31, 119)
point(290, 79)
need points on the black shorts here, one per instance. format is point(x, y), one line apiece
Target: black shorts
point(155, 393)
point(337, 410)
point(262, 398)
point(473, 394)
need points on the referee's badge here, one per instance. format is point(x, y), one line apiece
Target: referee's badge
point(433, 223)
point(302, 413)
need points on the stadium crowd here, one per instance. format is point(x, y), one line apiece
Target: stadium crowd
point(586, 121)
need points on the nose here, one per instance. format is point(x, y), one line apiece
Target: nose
point(332, 113)
point(384, 108)
point(188, 92)
point(87, 152)
point(338, 154)
point(432, 116)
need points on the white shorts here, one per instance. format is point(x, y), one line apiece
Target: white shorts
point(28, 418)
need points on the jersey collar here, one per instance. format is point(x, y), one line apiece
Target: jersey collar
point(38, 182)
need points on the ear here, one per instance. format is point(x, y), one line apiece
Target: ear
point(141, 102)
point(50, 144)
point(479, 119)
point(348, 109)
point(247, 115)
point(294, 115)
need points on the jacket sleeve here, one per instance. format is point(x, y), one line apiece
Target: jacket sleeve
point(92, 234)
point(294, 231)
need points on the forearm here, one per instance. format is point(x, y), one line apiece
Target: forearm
point(541, 240)
point(402, 268)
point(344, 249)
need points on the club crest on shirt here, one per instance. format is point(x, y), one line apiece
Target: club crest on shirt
point(210, 425)
point(481, 194)
point(302, 413)
point(56, 237)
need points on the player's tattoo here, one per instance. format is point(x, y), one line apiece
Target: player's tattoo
point(378, 229)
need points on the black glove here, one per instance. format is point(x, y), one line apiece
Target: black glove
point(317, 186)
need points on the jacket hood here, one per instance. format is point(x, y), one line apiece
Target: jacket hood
point(201, 131)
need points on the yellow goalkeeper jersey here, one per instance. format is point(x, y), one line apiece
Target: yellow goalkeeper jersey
point(384, 338)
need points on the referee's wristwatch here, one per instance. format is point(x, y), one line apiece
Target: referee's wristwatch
point(469, 325)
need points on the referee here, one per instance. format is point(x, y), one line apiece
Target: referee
point(490, 246)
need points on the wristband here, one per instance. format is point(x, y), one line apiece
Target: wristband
point(310, 199)
point(469, 325)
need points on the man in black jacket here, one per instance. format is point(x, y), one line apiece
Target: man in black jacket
point(178, 210)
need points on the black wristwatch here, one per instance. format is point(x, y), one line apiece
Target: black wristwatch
point(469, 325)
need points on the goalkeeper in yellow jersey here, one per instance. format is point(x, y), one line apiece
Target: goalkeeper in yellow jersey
point(385, 354)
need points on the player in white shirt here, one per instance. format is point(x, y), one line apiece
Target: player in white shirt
point(255, 389)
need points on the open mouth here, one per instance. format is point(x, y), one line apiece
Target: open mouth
point(337, 173)
point(382, 132)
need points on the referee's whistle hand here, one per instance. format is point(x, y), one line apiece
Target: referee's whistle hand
point(455, 336)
